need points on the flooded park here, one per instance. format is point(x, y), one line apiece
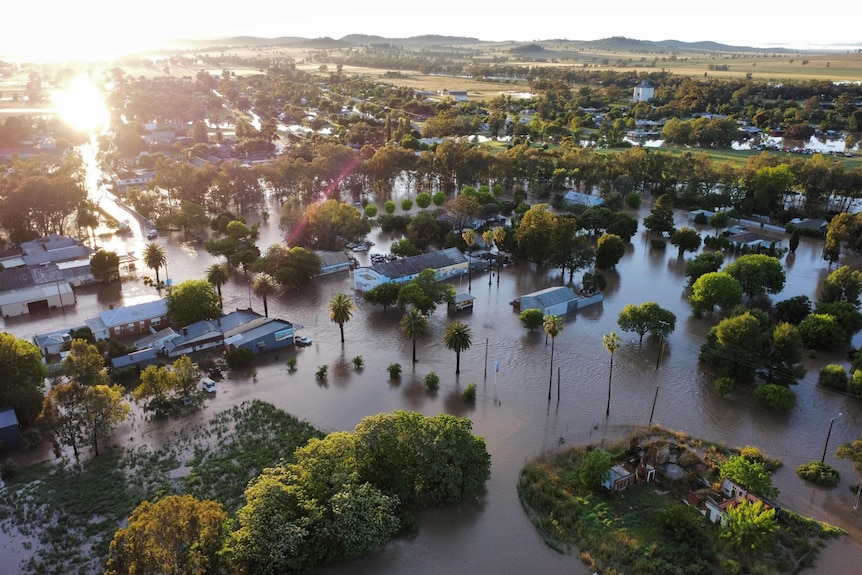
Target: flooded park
point(511, 368)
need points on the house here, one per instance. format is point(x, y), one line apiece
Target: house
point(157, 339)
point(445, 263)
point(137, 359)
point(10, 432)
point(462, 301)
point(626, 475)
point(643, 92)
point(259, 335)
point(574, 198)
point(715, 506)
point(36, 298)
point(696, 215)
point(201, 335)
point(53, 342)
point(817, 225)
point(557, 300)
point(129, 320)
point(753, 240)
point(333, 262)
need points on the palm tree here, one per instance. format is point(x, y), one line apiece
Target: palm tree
point(414, 325)
point(154, 258)
point(553, 327)
point(264, 285)
point(217, 274)
point(340, 311)
point(499, 237)
point(488, 238)
point(469, 237)
point(612, 343)
point(457, 337)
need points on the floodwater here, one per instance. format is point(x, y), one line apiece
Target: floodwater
point(512, 411)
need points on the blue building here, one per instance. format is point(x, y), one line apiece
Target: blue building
point(260, 335)
point(10, 433)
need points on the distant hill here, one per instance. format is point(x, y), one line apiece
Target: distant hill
point(616, 43)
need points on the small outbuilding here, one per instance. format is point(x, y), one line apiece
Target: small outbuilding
point(462, 301)
point(10, 432)
point(36, 298)
point(333, 262)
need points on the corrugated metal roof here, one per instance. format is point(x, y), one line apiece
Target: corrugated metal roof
point(415, 264)
point(552, 296)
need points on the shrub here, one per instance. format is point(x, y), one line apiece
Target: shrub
point(321, 372)
point(8, 470)
point(358, 362)
point(239, 358)
point(30, 439)
point(724, 385)
point(469, 393)
point(633, 200)
point(394, 370)
point(819, 473)
point(432, 381)
point(776, 397)
point(833, 376)
point(370, 211)
point(406, 204)
point(291, 363)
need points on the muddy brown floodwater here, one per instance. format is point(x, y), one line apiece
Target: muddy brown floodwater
point(512, 411)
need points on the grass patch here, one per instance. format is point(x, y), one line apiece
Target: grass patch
point(73, 513)
point(648, 528)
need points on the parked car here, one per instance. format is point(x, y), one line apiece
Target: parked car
point(208, 385)
point(301, 341)
point(360, 248)
point(151, 234)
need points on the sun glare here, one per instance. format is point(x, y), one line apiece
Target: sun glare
point(82, 105)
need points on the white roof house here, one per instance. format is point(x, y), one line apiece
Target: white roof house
point(445, 263)
point(41, 297)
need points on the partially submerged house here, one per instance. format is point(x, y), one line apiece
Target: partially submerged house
point(556, 300)
point(129, 320)
point(625, 475)
point(10, 432)
point(260, 335)
point(36, 298)
point(574, 198)
point(445, 263)
point(333, 262)
point(715, 506)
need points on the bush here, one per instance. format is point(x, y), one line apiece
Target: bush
point(819, 473)
point(30, 439)
point(8, 470)
point(724, 385)
point(239, 358)
point(406, 204)
point(658, 244)
point(633, 200)
point(469, 393)
point(321, 372)
point(358, 362)
point(370, 211)
point(833, 376)
point(432, 381)
point(775, 397)
point(291, 363)
point(394, 370)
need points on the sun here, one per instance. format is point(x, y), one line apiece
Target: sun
point(82, 105)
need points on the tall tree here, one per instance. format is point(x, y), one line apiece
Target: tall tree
point(176, 535)
point(686, 239)
point(155, 258)
point(553, 325)
point(612, 343)
point(757, 274)
point(414, 325)
point(192, 301)
point(340, 311)
point(62, 417)
point(499, 237)
point(218, 275)
point(469, 237)
point(264, 286)
point(23, 380)
point(84, 364)
point(103, 409)
point(458, 338)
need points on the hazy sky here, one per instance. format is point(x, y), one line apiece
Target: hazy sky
point(65, 29)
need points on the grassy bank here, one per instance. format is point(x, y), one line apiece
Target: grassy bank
point(72, 514)
point(648, 529)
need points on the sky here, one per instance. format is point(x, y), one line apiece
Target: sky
point(68, 30)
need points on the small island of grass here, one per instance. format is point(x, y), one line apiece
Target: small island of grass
point(665, 503)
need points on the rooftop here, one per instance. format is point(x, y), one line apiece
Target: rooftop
point(415, 264)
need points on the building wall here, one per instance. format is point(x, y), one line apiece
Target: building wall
point(14, 309)
point(138, 327)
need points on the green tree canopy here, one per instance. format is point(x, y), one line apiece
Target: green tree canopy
point(686, 239)
point(715, 289)
point(703, 263)
point(609, 251)
point(23, 383)
point(757, 274)
point(425, 293)
point(105, 266)
point(733, 347)
point(531, 318)
point(750, 527)
point(749, 474)
point(385, 294)
point(192, 301)
point(595, 469)
point(843, 284)
point(648, 317)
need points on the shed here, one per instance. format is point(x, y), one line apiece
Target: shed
point(580, 199)
point(462, 301)
point(333, 262)
point(260, 335)
point(10, 432)
point(558, 300)
point(36, 298)
point(138, 359)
